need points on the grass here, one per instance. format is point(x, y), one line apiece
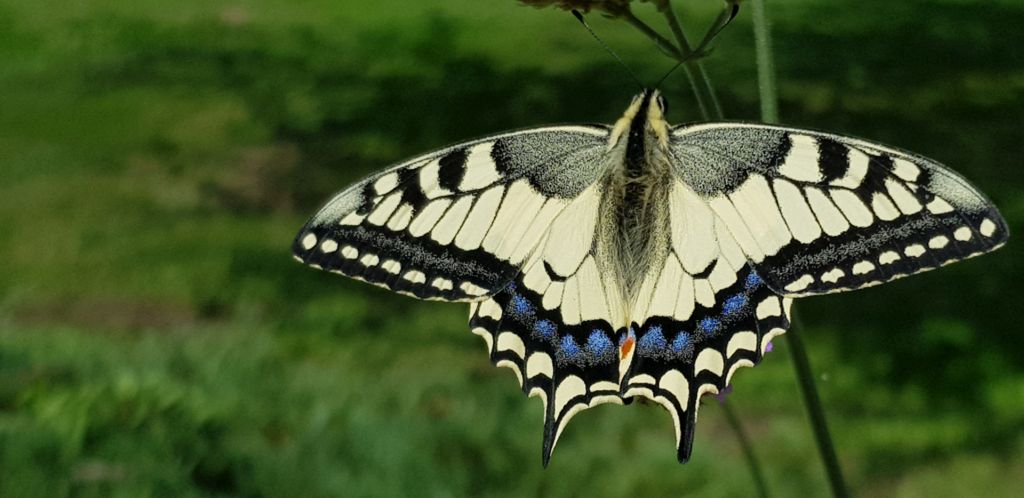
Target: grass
point(157, 340)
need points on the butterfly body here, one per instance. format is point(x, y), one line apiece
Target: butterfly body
point(605, 263)
point(636, 191)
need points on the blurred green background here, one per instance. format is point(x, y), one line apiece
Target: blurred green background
point(156, 339)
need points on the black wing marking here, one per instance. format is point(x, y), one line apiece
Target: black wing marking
point(819, 213)
point(456, 224)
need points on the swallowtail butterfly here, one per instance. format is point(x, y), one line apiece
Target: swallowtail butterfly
point(603, 263)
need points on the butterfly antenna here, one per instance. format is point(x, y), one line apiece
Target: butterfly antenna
point(723, 20)
point(670, 71)
point(579, 17)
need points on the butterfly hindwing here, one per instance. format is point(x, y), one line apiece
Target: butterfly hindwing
point(458, 223)
point(819, 213)
point(558, 323)
point(704, 313)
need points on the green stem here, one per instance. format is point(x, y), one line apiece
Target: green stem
point(801, 363)
point(812, 402)
point(707, 102)
point(718, 114)
point(663, 43)
point(694, 66)
point(765, 64)
point(701, 101)
point(748, 450)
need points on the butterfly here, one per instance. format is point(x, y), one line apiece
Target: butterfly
point(606, 263)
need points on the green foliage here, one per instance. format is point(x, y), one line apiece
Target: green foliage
point(157, 340)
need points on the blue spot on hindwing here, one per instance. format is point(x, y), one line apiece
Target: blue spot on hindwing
point(753, 280)
point(734, 304)
point(681, 341)
point(653, 341)
point(599, 346)
point(568, 347)
point(545, 329)
point(710, 325)
point(520, 308)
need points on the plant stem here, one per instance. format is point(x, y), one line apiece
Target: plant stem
point(748, 450)
point(765, 64)
point(694, 66)
point(801, 363)
point(701, 103)
point(663, 43)
point(699, 82)
point(812, 402)
point(716, 106)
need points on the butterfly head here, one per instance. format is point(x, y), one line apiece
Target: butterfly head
point(646, 115)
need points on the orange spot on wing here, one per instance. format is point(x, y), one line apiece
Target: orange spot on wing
point(627, 347)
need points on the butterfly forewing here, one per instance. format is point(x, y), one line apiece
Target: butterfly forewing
point(456, 224)
point(819, 213)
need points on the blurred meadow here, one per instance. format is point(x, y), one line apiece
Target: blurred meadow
point(157, 339)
